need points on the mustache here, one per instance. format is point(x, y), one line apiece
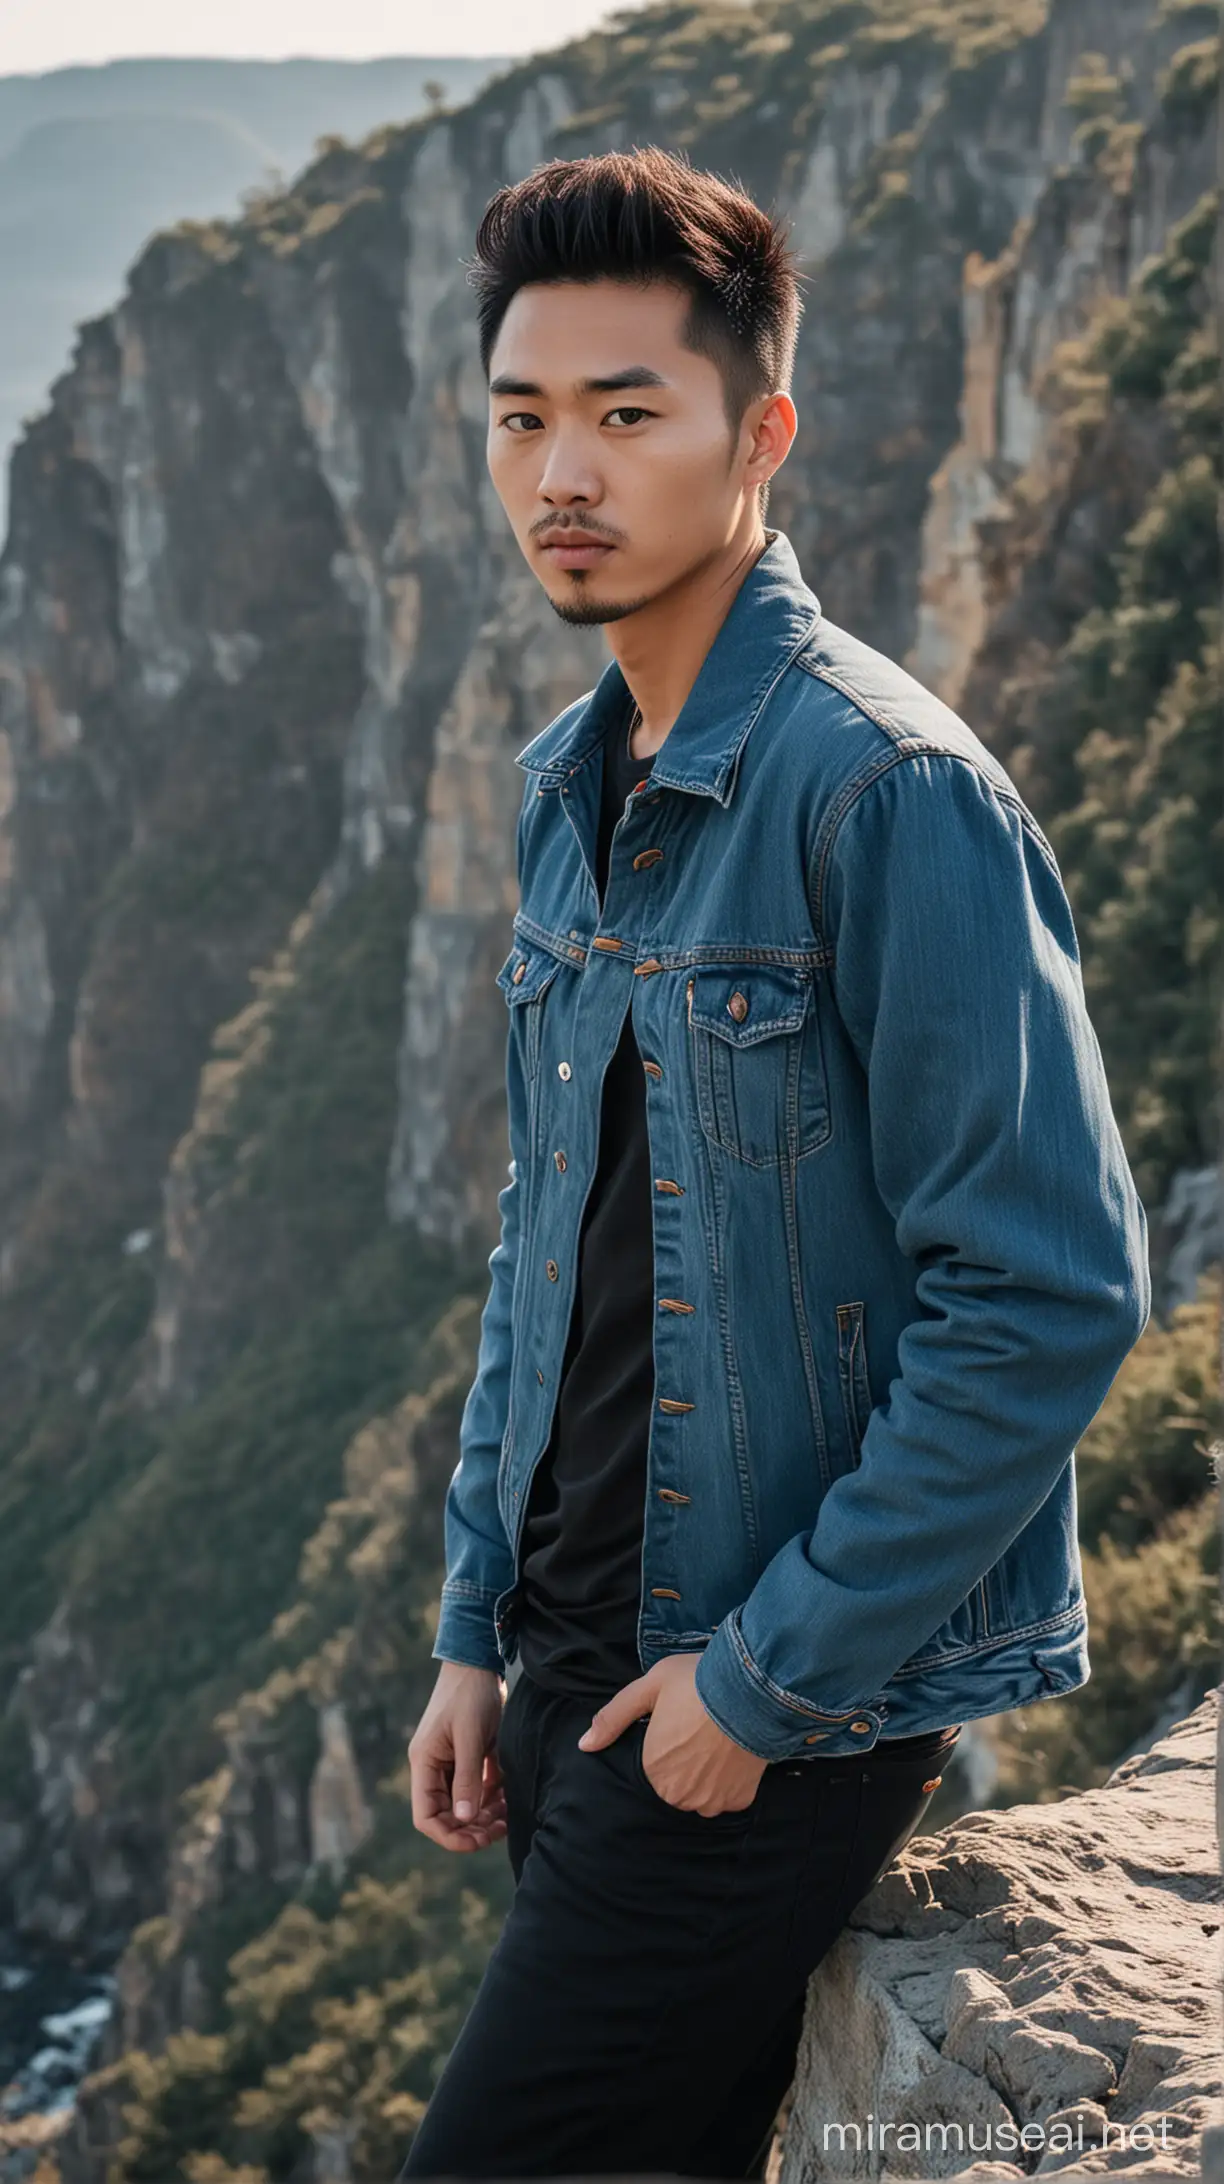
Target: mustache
point(585, 524)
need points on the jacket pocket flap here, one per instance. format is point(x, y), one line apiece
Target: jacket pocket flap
point(526, 973)
point(744, 1002)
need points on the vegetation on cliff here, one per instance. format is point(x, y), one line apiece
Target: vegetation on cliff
point(1137, 706)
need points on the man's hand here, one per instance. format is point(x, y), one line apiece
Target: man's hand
point(457, 1795)
point(687, 1757)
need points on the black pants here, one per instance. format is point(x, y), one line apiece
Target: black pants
point(641, 2009)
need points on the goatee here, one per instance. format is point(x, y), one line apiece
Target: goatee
point(583, 613)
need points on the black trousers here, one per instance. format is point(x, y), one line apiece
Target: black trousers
point(641, 2009)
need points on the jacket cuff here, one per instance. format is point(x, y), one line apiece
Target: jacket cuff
point(467, 1629)
point(765, 1719)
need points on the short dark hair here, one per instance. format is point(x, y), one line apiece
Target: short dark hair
point(641, 216)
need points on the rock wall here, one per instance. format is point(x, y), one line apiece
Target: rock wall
point(1057, 1967)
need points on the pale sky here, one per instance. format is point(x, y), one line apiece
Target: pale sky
point(35, 35)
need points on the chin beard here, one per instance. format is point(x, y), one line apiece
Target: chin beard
point(582, 613)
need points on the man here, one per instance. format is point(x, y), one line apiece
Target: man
point(819, 1249)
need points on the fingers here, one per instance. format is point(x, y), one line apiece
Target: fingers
point(433, 1811)
point(614, 1716)
point(467, 1787)
point(458, 1797)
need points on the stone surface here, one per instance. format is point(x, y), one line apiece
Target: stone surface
point(1056, 1966)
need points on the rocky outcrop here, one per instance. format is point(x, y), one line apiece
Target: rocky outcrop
point(1055, 1967)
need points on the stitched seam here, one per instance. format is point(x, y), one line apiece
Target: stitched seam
point(759, 1028)
point(567, 950)
point(910, 746)
point(775, 1691)
point(1073, 1614)
point(853, 790)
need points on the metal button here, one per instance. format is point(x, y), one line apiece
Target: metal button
point(551, 1269)
point(819, 1737)
point(737, 1006)
point(861, 1728)
point(564, 1070)
point(646, 857)
point(933, 1784)
point(518, 972)
point(559, 1158)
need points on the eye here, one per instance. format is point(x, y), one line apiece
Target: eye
point(630, 413)
point(516, 420)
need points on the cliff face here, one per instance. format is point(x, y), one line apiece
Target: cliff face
point(266, 655)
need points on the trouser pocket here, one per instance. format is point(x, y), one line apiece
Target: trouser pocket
point(723, 1821)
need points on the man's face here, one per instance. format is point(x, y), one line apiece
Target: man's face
point(609, 445)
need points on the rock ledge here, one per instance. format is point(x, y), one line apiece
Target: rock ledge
point(1051, 1966)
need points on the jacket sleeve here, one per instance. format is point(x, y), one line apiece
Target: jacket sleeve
point(479, 1561)
point(956, 974)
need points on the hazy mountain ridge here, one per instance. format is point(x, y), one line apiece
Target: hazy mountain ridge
point(94, 160)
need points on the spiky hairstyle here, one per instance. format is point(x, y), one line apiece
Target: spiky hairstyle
point(647, 215)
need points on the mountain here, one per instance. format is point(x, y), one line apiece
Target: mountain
point(94, 160)
point(267, 652)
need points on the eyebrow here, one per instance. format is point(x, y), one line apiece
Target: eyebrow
point(634, 375)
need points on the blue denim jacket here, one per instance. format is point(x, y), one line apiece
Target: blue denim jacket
point(899, 1254)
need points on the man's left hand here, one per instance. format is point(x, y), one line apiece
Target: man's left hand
point(688, 1759)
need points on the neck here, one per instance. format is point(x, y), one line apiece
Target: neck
point(660, 649)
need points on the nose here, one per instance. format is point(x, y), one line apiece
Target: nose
point(569, 478)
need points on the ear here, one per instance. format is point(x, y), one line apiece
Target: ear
point(771, 422)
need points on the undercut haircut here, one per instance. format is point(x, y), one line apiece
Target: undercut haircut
point(642, 216)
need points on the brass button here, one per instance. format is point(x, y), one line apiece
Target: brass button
point(559, 1158)
point(663, 1592)
point(933, 1784)
point(737, 1006)
point(518, 972)
point(819, 1737)
point(646, 857)
point(861, 1728)
point(652, 1069)
point(564, 1071)
point(551, 1269)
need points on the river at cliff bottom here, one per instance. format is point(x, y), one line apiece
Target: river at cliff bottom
point(51, 2018)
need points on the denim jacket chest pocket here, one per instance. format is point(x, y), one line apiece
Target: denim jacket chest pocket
point(757, 1061)
point(525, 978)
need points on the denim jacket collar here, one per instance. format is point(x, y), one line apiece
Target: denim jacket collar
point(773, 615)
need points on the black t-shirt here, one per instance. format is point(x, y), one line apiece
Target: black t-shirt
point(580, 1589)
